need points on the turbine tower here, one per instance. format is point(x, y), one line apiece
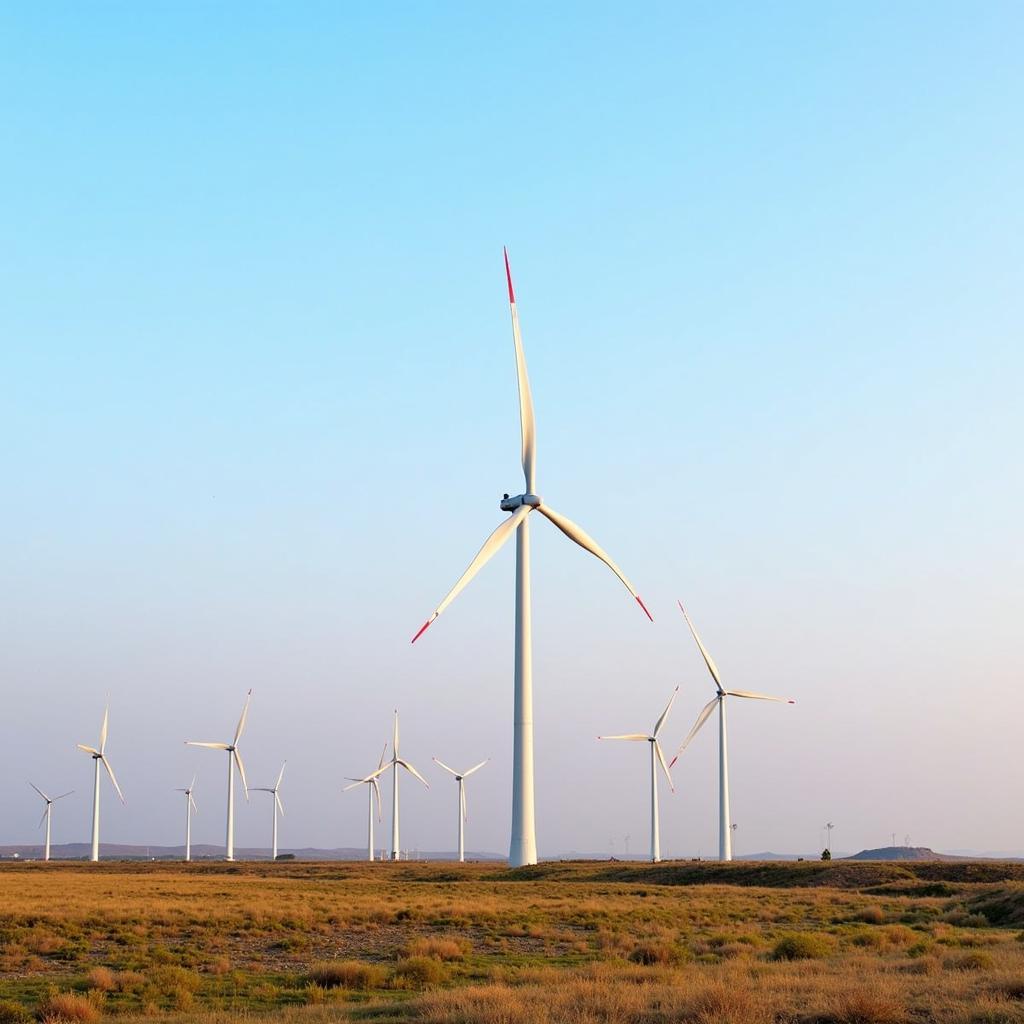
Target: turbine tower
point(50, 801)
point(523, 844)
point(374, 790)
point(460, 778)
point(190, 806)
point(98, 757)
point(724, 830)
point(276, 806)
point(234, 758)
point(396, 763)
point(657, 757)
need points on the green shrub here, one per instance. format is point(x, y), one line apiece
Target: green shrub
point(649, 953)
point(13, 1013)
point(418, 972)
point(802, 946)
point(976, 960)
point(353, 974)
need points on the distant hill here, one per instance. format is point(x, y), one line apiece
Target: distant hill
point(904, 853)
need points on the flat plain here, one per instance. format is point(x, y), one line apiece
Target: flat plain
point(582, 942)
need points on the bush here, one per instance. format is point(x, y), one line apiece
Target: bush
point(439, 948)
point(871, 915)
point(418, 972)
point(353, 974)
point(69, 1008)
point(976, 960)
point(102, 979)
point(13, 1013)
point(650, 953)
point(802, 946)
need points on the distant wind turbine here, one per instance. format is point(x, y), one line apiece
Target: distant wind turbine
point(234, 758)
point(276, 806)
point(190, 806)
point(396, 763)
point(50, 801)
point(523, 843)
point(460, 778)
point(374, 790)
point(724, 830)
point(657, 757)
point(98, 757)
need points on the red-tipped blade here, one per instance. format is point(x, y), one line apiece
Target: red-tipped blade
point(508, 275)
point(642, 605)
point(672, 762)
point(423, 630)
point(790, 701)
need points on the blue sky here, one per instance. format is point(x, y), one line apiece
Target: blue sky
point(259, 406)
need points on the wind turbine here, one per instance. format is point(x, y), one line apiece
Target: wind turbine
point(460, 778)
point(277, 806)
point(99, 756)
point(234, 757)
point(394, 764)
point(523, 844)
point(374, 790)
point(190, 806)
point(724, 830)
point(657, 757)
point(50, 801)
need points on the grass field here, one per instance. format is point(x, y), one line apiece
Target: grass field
point(850, 943)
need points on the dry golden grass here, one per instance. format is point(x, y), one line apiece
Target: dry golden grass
point(478, 944)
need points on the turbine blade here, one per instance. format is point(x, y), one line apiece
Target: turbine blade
point(241, 721)
point(441, 764)
point(661, 761)
point(241, 771)
point(211, 746)
point(708, 660)
point(626, 736)
point(394, 741)
point(526, 420)
point(462, 800)
point(409, 768)
point(701, 719)
point(103, 729)
point(192, 784)
point(585, 541)
point(43, 818)
point(40, 792)
point(758, 696)
point(353, 784)
point(192, 801)
point(664, 714)
point(110, 772)
point(383, 753)
point(260, 789)
point(89, 750)
point(61, 797)
point(483, 556)
point(475, 767)
point(376, 790)
point(277, 785)
point(280, 806)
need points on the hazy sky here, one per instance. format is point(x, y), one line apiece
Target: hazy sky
point(259, 405)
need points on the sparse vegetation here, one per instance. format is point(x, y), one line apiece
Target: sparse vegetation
point(592, 942)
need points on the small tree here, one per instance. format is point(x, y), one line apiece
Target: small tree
point(826, 854)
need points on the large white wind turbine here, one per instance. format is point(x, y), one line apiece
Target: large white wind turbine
point(460, 778)
point(523, 844)
point(395, 763)
point(98, 757)
point(234, 757)
point(50, 801)
point(657, 757)
point(374, 790)
point(724, 825)
point(276, 806)
point(190, 806)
